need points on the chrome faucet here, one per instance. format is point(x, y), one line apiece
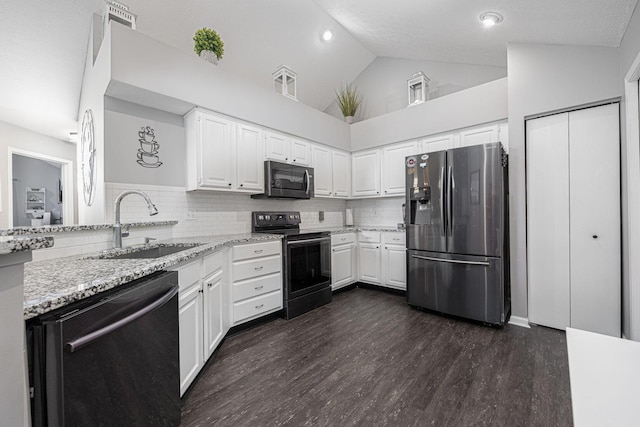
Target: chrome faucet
point(117, 227)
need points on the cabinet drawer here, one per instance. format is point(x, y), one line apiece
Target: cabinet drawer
point(188, 292)
point(212, 263)
point(188, 274)
point(343, 238)
point(254, 307)
point(369, 236)
point(255, 250)
point(257, 286)
point(256, 267)
point(394, 238)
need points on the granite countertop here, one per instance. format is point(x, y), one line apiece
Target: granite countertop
point(48, 229)
point(55, 283)
point(10, 245)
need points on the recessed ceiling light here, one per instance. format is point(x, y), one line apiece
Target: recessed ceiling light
point(489, 19)
point(326, 35)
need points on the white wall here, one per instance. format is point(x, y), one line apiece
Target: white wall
point(34, 173)
point(148, 72)
point(629, 51)
point(383, 84)
point(474, 106)
point(544, 78)
point(94, 84)
point(16, 137)
point(122, 123)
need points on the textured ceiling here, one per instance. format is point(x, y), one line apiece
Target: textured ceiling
point(449, 30)
point(43, 43)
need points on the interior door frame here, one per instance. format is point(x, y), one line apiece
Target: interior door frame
point(66, 177)
point(632, 147)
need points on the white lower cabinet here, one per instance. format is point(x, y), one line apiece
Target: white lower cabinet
point(216, 293)
point(190, 327)
point(382, 259)
point(213, 313)
point(369, 259)
point(256, 271)
point(394, 260)
point(343, 260)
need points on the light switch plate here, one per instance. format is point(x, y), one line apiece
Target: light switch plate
point(321, 216)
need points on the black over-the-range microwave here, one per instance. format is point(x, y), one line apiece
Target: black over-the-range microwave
point(285, 181)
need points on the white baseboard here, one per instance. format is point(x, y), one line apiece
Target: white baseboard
point(519, 321)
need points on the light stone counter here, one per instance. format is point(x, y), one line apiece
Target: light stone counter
point(50, 229)
point(10, 245)
point(55, 283)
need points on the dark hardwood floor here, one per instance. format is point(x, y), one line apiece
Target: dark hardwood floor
point(369, 359)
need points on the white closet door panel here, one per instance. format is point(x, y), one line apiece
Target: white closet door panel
point(547, 158)
point(594, 150)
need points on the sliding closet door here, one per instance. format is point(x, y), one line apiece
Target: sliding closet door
point(547, 163)
point(594, 152)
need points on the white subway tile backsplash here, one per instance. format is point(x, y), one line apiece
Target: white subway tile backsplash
point(377, 212)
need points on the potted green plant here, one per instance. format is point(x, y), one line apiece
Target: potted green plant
point(208, 45)
point(349, 101)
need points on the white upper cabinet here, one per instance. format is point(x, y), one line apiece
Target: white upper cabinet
point(215, 162)
point(209, 151)
point(322, 170)
point(478, 135)
point(287, 150)
point(300, 152)
point(332, 172)
point(393, 167)
point(341, 173)
point(249, 161)
point(277, 147)
point(439, 143)
point(365, 168)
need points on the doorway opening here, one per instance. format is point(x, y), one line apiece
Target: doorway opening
point(41, 190)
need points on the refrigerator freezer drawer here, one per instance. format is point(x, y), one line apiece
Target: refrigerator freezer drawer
point(467, 286)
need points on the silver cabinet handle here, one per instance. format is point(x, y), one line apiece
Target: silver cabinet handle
point(258, 307)
point(258, 251)
point(451, 261)
point(259, 268)
point(257, 288)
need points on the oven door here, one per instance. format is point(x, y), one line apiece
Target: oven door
point(308, 265)
point(290, 181)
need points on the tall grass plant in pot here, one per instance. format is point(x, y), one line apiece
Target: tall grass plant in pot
point(208, 45)
point(349, 100)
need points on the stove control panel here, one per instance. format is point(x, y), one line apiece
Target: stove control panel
point(275, 219)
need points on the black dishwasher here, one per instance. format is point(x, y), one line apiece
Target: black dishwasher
point(109, 360)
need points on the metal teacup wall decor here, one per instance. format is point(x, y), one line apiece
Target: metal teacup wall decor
point(149, 147)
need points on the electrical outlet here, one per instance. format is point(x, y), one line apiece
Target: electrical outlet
point(321, 216)
point(191, 215)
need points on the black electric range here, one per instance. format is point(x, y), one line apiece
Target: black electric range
point(306, 264)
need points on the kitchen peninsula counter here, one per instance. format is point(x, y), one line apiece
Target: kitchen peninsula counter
point(55, 283)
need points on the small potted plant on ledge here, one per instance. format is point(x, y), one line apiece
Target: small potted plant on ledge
point(208, 45)
point(349, 101)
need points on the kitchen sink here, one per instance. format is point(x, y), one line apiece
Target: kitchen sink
point(151, 253)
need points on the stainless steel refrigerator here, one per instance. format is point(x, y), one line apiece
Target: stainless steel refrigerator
point(457, 232)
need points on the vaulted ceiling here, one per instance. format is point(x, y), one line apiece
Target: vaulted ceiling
point(43, 44)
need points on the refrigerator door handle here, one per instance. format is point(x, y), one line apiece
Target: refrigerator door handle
point(451, 185)
point(442, 201)
point(452, 261)
point(85, 340)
